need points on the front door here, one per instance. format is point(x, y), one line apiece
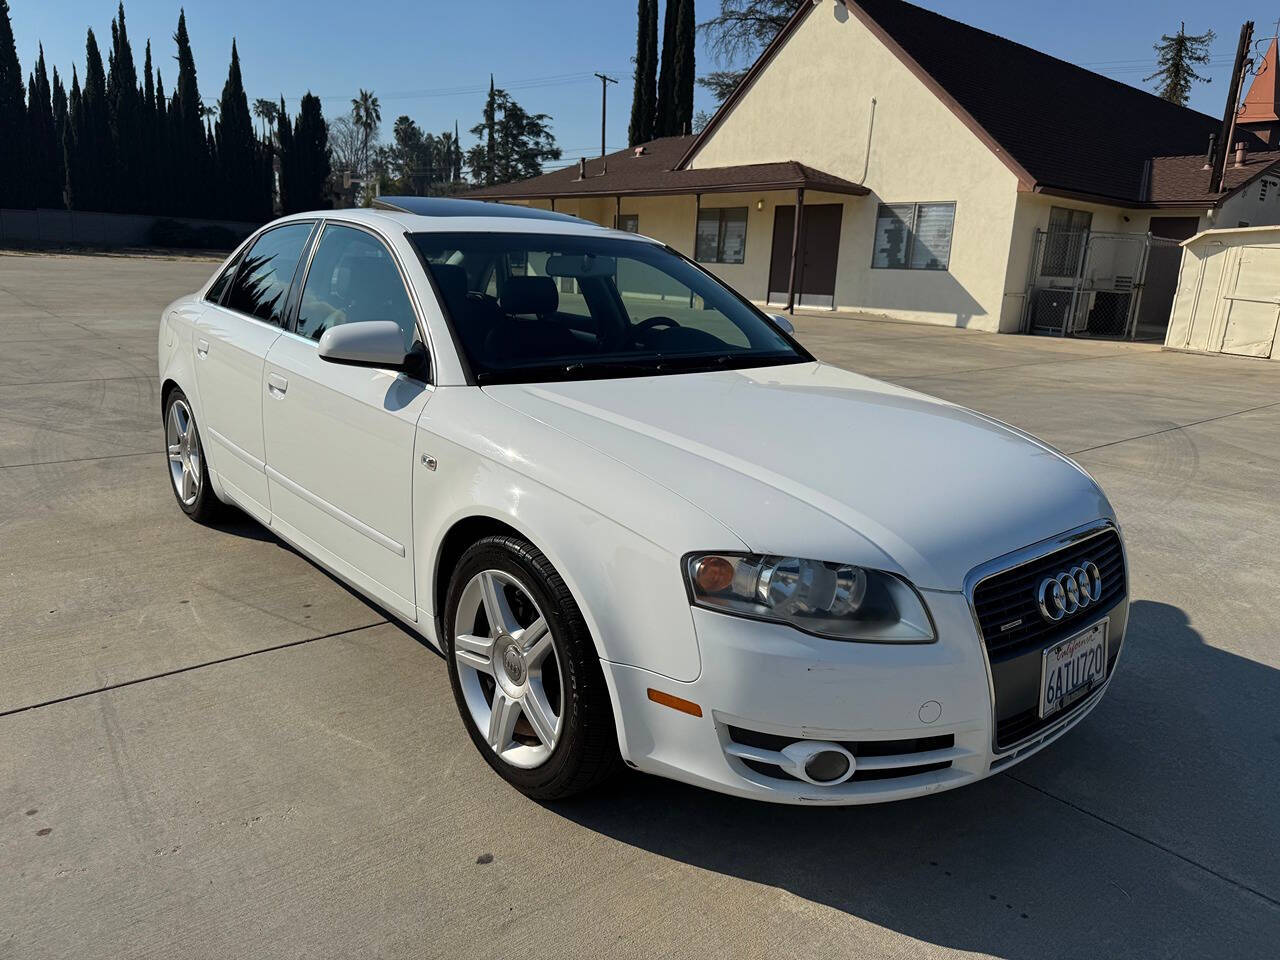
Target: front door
point(340, 439)
point(231, 340)
point(816, 262)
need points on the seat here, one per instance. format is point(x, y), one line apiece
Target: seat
point(375, 292)
point(521, 340)
point(530, 296)
point(473, 314)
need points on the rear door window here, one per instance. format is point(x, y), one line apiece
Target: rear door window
point(220, 285)
point(262, 285)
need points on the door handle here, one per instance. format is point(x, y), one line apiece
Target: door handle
point(202, 348)
point(276, 385)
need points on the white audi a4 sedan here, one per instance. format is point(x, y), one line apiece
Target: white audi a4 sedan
point(640, 522)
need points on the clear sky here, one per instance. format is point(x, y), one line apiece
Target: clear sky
point(431, 59)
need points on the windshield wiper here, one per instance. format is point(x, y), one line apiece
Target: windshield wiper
point(606, 366)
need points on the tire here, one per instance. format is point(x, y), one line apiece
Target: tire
point(188, 470)
point(559, 669)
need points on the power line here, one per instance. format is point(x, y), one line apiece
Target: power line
point(529, 83)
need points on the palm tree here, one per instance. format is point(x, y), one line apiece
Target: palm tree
point(366, 114)
point(267, 111)
point(448, 148)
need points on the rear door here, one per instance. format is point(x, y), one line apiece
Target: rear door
point(232, 338)
point(340, 439)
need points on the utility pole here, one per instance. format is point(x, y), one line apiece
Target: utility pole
point(1227, 130)
point(604, 102)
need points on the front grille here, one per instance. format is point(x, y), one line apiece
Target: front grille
point(859, 748)
point(1009, 613)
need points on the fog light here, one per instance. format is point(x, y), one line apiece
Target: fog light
point(827, 765)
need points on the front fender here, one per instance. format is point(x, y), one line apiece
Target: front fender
point(622, 566)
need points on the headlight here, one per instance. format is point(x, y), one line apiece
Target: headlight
point(833, 600)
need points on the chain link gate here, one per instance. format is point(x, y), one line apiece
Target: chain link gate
point(1087, 283)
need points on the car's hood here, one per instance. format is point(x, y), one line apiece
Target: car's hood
point(811, 460)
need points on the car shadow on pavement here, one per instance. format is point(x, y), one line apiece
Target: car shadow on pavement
point(1149, 830)
point(239, 524)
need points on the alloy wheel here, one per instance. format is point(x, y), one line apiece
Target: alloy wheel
point(509, 669)
point(184, 452)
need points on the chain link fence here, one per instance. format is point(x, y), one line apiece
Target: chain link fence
point(1086, 283)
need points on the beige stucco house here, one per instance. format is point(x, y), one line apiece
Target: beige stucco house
point(943, 174)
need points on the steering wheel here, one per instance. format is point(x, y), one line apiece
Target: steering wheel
point(650, 324)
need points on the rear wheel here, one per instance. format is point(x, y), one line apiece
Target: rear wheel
point(188, 473)
point(525, 673)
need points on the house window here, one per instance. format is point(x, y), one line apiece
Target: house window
point(722, 235)
point(629, 222)
point(1068, 230)
point(913, 236)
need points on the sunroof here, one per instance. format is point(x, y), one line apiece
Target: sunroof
point(454, 207)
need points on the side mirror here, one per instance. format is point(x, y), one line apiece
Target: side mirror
point(782, 323)
point(371, 343)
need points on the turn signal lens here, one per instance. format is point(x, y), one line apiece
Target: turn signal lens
point(713, 574)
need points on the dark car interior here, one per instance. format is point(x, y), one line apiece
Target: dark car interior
point(525, 320)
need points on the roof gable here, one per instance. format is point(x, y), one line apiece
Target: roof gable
point(1057, 126)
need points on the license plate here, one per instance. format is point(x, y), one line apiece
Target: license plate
point(1071, 668)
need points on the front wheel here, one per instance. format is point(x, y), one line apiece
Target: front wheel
point(525, 674)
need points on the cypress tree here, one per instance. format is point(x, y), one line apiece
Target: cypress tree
point(147, 138)
point(237, 148)
point(126, 119)
point(190, 143)
point(311, 146)
point(162, 190)
point(643, 97)
point(490, 143)
point(284, 144)
point(148, 86)
point(72, 137)
point(683, 68)
point(42, 138)
point(59, 134)
point(59, 112)
point(664, 114)
point(264, 208)
point(95, 151)
point(13, 120)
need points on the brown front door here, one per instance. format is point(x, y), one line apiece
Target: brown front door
point(816, 263)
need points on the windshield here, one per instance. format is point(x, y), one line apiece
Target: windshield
point(541, 307)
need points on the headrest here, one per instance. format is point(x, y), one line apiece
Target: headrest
point(525, 295)
point(370, 278)
point(451, 278)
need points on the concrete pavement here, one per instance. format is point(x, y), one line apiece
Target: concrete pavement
point(209, 748)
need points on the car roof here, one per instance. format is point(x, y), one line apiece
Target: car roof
point(451, 215)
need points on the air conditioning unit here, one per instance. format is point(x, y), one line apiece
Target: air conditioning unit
point(1050, 310)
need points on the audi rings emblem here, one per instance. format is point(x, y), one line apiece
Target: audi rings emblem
point(1068, 592)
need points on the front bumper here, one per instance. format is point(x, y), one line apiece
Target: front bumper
point(921, 714)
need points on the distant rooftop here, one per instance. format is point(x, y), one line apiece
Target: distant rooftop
point(653, 171)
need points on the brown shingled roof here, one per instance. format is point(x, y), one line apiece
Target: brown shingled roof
point(624, 174)
point(1183, 180)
